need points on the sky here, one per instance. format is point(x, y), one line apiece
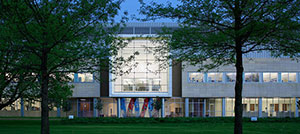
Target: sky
point(132, 7)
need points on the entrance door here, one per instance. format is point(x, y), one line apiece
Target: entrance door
point(86, 108)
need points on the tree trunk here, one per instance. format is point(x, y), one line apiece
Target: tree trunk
point(44, 94)
point(238, 109)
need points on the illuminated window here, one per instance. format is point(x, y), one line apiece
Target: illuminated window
point(270, 77)
point(85, 77)
point(214, 77)
point(251, 77)
point(196, 77)
point(230, 77)
point(288, 77)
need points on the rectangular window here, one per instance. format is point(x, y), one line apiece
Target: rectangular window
point(230, 77)
point(214, 77)
point(252, 107)
point(196, 77)
point(288, 77)
point(85, 77)
point(128, 84)
point(270, 77)
point(284, 107)
point(276, 107)
point(251, 77)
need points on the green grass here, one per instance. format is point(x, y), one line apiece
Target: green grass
point(56, 127)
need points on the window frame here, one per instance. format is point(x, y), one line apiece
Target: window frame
point(270, 76)
point(203, 78)
point(281, 74)
point(244, 77)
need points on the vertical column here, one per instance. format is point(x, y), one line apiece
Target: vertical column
point(205, 77)
point(261, 77)
point(186, 107)
point(260, 107)
point(58, 111)
point(224, 78)
point(223, 107)
point(296, 108)
point(162, 107)
point(76, 77)
point(78, 107)
point(119, 108)
point(95, 109)
point(204, 108)
point(279, 78)
point(22, 107)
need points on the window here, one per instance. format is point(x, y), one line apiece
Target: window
point(196, 77)
point(128, 84)
point(251, 77)
point(288, 77)
point(276, 107)
point(142, 85)
point(230, 77)
point(270, 77)
point(285, 107)
point(156, 84)
point(85, 77)
point(214, 77)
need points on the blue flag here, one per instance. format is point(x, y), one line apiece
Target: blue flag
point(123, 106)
point(150, 106)
point(137, 107)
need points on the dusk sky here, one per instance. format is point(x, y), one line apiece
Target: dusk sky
point(132, 7)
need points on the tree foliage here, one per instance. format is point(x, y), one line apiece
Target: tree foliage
point(215, 33)
point(55, 38)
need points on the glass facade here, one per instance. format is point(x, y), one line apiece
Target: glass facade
point(85, 107)
point(270, 77)
point(196, 77)
point(251, 77)
point(230, 77)
point(288, 77)
point(174, 107)
point(85, 77)
point(214, 77)
point(146, 75)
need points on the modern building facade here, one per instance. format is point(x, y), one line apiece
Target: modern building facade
point(271, 87)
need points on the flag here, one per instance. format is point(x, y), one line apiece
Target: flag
point(146, 100)
point(130, 106)
point(137, 107)
point(150, 106)
point(123, 106)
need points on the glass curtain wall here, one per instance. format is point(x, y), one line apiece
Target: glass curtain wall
point(174, 107)
point(145, 74)
point(214, 107)
point(109, 107)
point(85, 107)
point(278, 107)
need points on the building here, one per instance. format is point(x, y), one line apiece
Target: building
point(271, 87)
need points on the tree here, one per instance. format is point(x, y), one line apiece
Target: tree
point(99, 105)
point(216, 33)
point(60, 37)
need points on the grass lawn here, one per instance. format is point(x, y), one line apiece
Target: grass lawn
point(32, 127)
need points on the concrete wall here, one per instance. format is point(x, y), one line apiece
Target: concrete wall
point(250, 89)
point(89, 89)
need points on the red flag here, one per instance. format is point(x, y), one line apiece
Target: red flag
point(144, 107)
point(130, 106)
